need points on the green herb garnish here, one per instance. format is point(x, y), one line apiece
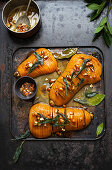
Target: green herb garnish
point(18, 152)
point(39, 61)
point(67, 85)
point(53, 121)
point(90, 94)
point(25, 135)
point(93, 101)
point(99, 129)
point(83, 67)
point(81, 101)
point(66, 53)
point(81, 81)
point(104, 27)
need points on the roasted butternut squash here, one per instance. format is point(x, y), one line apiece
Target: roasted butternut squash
point(76, 119)
point(81, 70)
point(49, 64)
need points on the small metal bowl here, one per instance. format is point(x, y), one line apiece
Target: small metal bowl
point(11, 5)
point(19, 83)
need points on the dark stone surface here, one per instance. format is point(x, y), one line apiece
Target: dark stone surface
point(63, 23)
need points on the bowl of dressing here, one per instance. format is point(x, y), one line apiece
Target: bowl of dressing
point(13, 9)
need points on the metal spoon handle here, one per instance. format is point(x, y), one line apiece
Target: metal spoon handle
point(28, 7)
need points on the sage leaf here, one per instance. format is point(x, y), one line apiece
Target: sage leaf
point(67, 53)
point(103, 21)
point(83, 67)
point(97, 13)
point(93, 16)
point(66, 119)
point(93, 6)
point(42, 116)
point(24, 136)
point(91, 94)
point(98, 29)
point(106, 38)
point(101, 7)
point(39, 61)
point(109, 28)
point(99, 129)
point(96, 36)
point(17, 153)
point(93, 101)
point(84, 102)
point(67, 85)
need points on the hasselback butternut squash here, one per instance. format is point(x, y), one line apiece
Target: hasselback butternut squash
point(49, 64)
point(44, 119)
point(81, 70)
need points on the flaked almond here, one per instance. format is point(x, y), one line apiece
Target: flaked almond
point(52, 81)
point(61, 89)
point(64, 105)
point(91, 86)
point(35, 123)
point(45, 57)
point(48, 89)
point(52, 103)
point(41, 118)
point(68, 77)
point(71, 113)
point(61, 120)
point(59, 72)
point(46, 79)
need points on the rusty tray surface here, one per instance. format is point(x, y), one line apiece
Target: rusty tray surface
point(20, 108)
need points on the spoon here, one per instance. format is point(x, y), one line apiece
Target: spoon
point(24, 18)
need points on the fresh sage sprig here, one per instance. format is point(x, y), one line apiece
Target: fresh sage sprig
point(67, 53)
point(53, 121)
point(39, 61)
point(90, 94)
point(104, 27)
point(24, 136)
point(18, 152)
point(93, 101)
point(67, 85)
point(83, 68)
point(99, 129)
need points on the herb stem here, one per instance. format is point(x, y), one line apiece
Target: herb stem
point(109, 8)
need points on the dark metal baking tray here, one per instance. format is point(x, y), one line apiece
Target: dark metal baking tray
point(20, 109)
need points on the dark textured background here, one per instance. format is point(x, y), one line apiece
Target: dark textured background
point(63, 23)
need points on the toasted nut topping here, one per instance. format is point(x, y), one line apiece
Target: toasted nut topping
point(45, 57)
point(91, 86)
point(52, 81)
point(41, 118)
point(46, 79)
point(61, 89)
point(52, 103)
point(30, 64)
point(91, 115)
point(16, 74)
point(68, 77)
point(35, 123)
point(59, 72)
point(61, 120)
